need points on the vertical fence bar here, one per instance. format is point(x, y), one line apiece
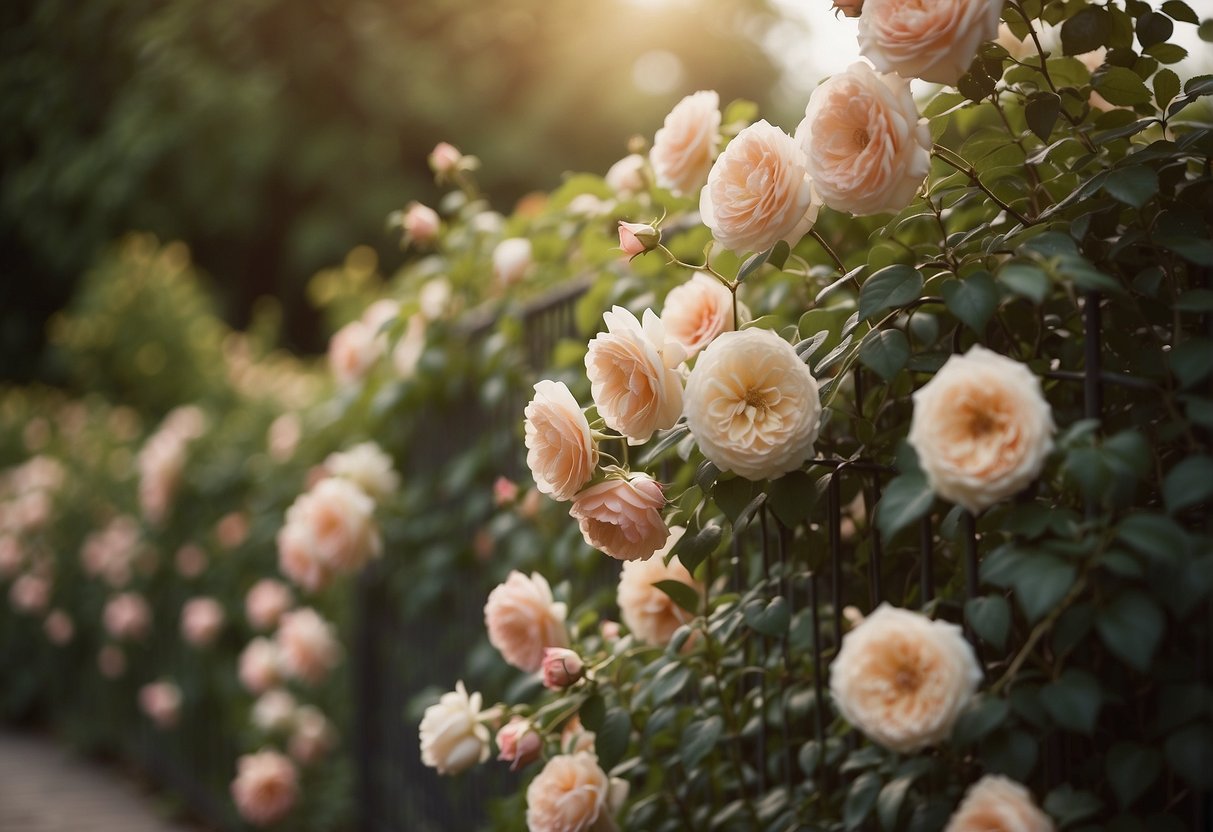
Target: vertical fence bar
point(1092, 395)
point(834, 512)
point(875, 593)
point(926, 544)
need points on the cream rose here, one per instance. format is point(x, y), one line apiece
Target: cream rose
point(998, 804)
point(511, 260)
point(161, 702)
point(626, 177)
point(368, 467)
point(274, 711)
point(201, 621)
point(127, 616)
point(633, 377)
point(313, 736)
point(571, 794)
point(622, 517)
point(260, 665)
point(696, 312)
point(684, 147)
point(353, 349)
point(933, 41)
point(982, 429)
point(649, 613)
point(328, 530)
point(903, 679)
point(59, 627)
point(759, 191)
point(265, 603)
point(561, 452)
point(421, 223)
point(266, 787)
point(307, 645)
point(866, 148)
point(453, 737)
point(522, 619)
point(752, 405)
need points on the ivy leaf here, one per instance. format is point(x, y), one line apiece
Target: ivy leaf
point(699, 738)
point(1041, 112)
point(1120, 86)
point(1073, 701)
point(885, 353)
point(1131, 627)
point(990, 618)
point(681, 594)
point(972, 300)
point(892, 286)
point(1132, 768)
point(906, 499)
point(1132, 185)
point(861, 799)
point(1188, 483)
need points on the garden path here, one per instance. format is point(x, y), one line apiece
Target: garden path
point(46, 788)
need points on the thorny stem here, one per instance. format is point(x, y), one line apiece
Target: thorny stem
point(706, 267)
point(1038, 632)
point(940, 152)
point(842, 269)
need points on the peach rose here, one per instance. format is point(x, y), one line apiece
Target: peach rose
point(308, 646)
point(328, 530)
point(903, 679)
point(571, 794)
point(265, 603)
point(283, 437)
point(201, 621)
point(561, 451)
point(353, 350)
point(232, 529)
point(574, 737)
point(274, 711)
point(626, 177)
point(752, 405)
point(633, 375)
point(127, 617)
point(313, 736)
point(191, 560)
point(933, 41)
point(561, 667)
point(622, 516)
point(161, 701)
point(759, 191)
point(982, 429)
point(511, 259)
point(696, 312)
point(650, 614)
point(406, 355)
point(420, 223)
point(998, 804)
point(368, 467)
point(867, 150)
point(522, 619)
point(260, 665)
point(30, 593)
point(685, 146)
point(453, 736)
point(266, 787)
point(58, 627)
point(518, 743)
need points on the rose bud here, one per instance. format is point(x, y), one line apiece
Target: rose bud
point(444, 159)
point(518, 743)
point(849, 8)
point(561, 667)
point(636, 238)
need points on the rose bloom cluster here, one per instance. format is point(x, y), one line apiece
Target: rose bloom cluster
point(162, 461)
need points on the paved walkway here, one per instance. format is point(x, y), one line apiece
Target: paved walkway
point(46, 788)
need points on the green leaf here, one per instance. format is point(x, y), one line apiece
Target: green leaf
point(1041, 112)
point(1131, 627)
point(861, 799)
point(990, 618)
point(698, 740)
point(983, 716)
point(906, 499)
point(1044, 580)
point(1086, 31)
point(669, 682)
point(1166, 87)
point(1188, 483)
point(732, 496)
point(771, 619)
point(792, 498)
point(592, 712)
point(1132, 768)
point(740, 111)
point(692, 549)
point(1120, 86)
point(1190, 754)
point(681, 594)
point(1025, 280)
point(890, 800)
point(972, 299)
point(1132, 185)
point(1152, 28)
point(1181, 11)
point(885, 352)
point(892, 286)
point(1012, 753)
point(1155, 536)
point(611, 739)
point(809, 757)
point(1073, 701)
point(1068, 805)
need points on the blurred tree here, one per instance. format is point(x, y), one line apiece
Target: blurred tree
point(273, 135)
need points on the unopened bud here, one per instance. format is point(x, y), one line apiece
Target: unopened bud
point(636, 238)
point(561, 667)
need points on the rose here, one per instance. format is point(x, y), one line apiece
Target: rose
point(328, 530)
point(685, 145)
point(452, 735)
point(201, 621)
point(574, 737)
point(522, 619)
point(518, 743)
point(561, 451)
point(232, 529)
point(12, 554)
point(444, 159)
point(903, 679)
point(30, 593)
point(626, 177)
point(434, 299)
point(696, 312)
point(283, 437)
point(561, 667)
point(998, 804)
point(313, 736)
point(265, 603)
point(649, 613)
point(420, 223)
point(161, 701)
point(308, 647)
point(622, 516)
point(511, 259)
point(633, 376)
point(849, 8)
point(759, 191)
point(636, 238)
point(274, 711)
point(127, 616)
point(752, 405)
point(111, 661)
point(933, 41)
point(867, 150)
point(59, 627)
point(368, 467)
point(352, 351)
point(572, 794)
point(191, 560)
point(505, 491)
point(982, 428)
point(260, 665)
point(266, 787)
point(408, 350)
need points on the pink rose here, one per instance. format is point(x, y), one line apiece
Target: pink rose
point(353, 350)
point(58, 627)
point(266, 602)
point(511, 259)
point(444, 159)
point(260, 665)
point(759, 191)
point(696, 312)
point(191, 560)
point(685, 145)
point(313, 736)
point(933, 41)
point(518, 743)
point(368, 467)
point(283, 437)
point(574, 737)
point(650, 614)
point(867, 150)
point(634, 381)
point(12, 555)
point(998, 804)
point(505, 491)
point(329, 530)
point(127, 617)
point(561, 451)
point(561, 667)
point(636, 238)
point(622, 517)
point(232, 529)
point(30, 593)
point(161, 701)
point(274, 711)
point(266, 787)
point(308, 646)
point(522, 619)
point(421, 223)
point(111, 661)
point(571, 794)
point(201, 621)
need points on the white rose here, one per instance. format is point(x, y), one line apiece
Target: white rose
point(982, 429)
point(453, 738)
point(511, 259)
point(867, 150)
point(903, 679)
point(684, 147)
point(752, 405)
point(934, 41)
point(561, 451)
point(368, 467)
point(998, 804)
point(759, 191)
point(626, 177)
